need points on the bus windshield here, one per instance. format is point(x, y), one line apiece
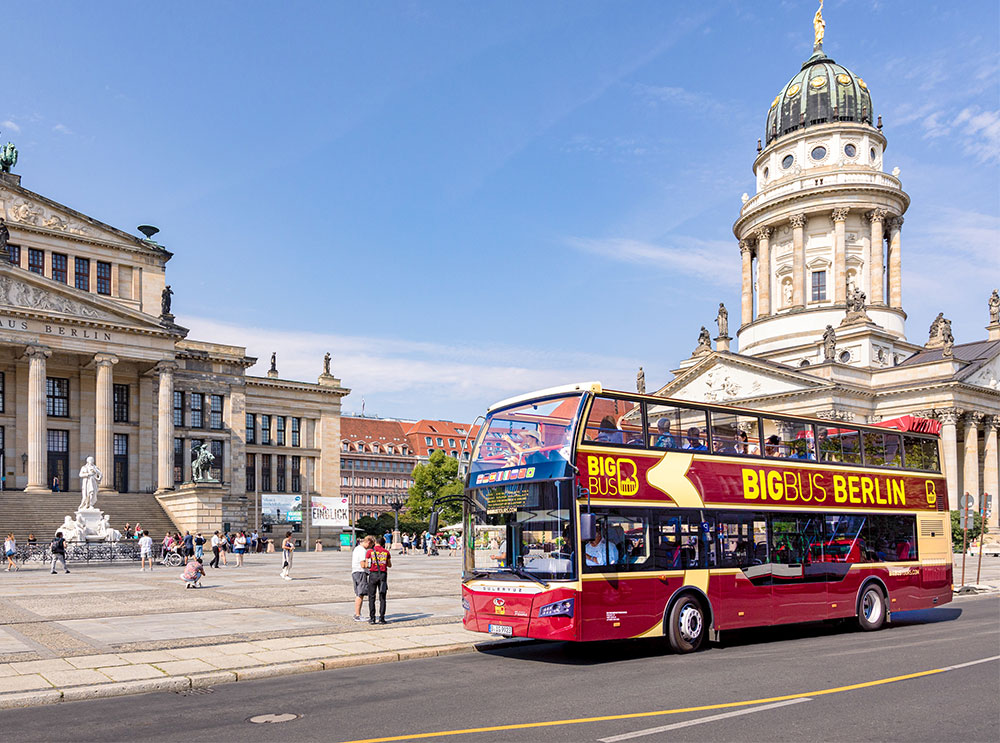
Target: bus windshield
point(524, 530)
point(530, 441)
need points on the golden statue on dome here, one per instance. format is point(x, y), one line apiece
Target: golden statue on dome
point(819, 26)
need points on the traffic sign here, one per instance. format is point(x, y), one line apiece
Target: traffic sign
point(986, 503)
point(967, 501)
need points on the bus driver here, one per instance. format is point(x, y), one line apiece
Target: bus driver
point(596, 552)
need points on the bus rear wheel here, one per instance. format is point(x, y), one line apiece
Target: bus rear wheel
point(871, 609)
point(686, 625)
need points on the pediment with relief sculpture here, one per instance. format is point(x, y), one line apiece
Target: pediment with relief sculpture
point(23, 208)
point(728, 378)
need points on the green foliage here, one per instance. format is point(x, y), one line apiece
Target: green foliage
point(439, 477)
point(975, 529)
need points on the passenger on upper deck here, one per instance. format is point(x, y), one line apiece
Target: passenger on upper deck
point(609, 431)
point(773, 447)
point(694, 442)
point(664, 439)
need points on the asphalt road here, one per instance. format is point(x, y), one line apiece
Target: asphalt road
point(778, 684)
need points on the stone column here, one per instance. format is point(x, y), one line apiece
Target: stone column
point(764, 272)
point(970, 459)
point(991, 469)
point(798, 222)
point(949, 446)
point(165, 427)
point(746, 305)
point(895, 262)
point(104, 421)
point(876, 267)
point(840, 256)
point(37, 420)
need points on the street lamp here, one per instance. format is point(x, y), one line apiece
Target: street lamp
point(396, 505)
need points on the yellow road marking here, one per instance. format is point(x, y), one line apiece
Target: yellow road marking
point(658, 713)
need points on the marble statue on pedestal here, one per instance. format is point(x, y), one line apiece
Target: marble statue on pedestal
point(90, 478)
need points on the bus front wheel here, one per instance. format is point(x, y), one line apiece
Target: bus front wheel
point(686, 626)
point(871, 609)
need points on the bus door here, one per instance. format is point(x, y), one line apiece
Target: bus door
point(741, 598)
point(620, 598)
point(798, 572)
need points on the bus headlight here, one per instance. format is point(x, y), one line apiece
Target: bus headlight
point(562, 608)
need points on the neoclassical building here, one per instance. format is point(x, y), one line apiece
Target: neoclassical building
point(822, 326)
point(93, 364)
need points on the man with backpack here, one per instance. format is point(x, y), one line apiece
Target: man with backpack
point(58, 550)
point(378, 561)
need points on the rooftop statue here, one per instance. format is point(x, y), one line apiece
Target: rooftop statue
point(819, 27)
point(5, 236)
point(994, 303)
point(8, 157)
point(640, 382)
point(326, 364)
point(165, 300)
point(723, 319)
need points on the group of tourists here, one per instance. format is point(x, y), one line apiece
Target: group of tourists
point(370, 563)
point(425, 541)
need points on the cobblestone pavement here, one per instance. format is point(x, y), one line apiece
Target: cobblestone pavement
point(109, 630)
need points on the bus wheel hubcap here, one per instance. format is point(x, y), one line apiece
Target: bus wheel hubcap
point(690, 623)
point(872, 607)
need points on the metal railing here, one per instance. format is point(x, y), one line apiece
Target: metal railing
point(85, 552)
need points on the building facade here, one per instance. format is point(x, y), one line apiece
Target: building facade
point(377, 464)
point(93, 364)
point(822, 322)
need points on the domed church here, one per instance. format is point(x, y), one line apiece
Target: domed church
point(822, 326)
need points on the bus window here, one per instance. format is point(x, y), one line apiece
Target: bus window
point(614, 422)
point(796, 539)
point(891, 538)
point(882, 449)
point(683, 540)
point(735, 433)
point(742, 539)
point(788, 439)
point(921, 453)
point(893, 449)
point(845, 539)
point(629, 534)
point(676, 428)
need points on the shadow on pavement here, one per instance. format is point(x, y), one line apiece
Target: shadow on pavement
point(593, 653)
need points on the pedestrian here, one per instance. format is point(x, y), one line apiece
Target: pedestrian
point(199, 546)
point(405, 539)
point(378, 561)
point(239, 547)
point(319, 545)
point(58, 550)
point(388, 538)
point(188, 546)
point(452, 545)
point(193, 573)
point(138, 530)
point(287, 549)
point(423, 540)
point(224, 548)
point(165, 546)
point(254, 540)
point(215, 551)
point(55, 484)
point(128, 530)
point(9, 550)
point(145, 551)
point(359, 574)
point(32, 544)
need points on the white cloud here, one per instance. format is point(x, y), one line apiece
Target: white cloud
point(678, 96)
point(688, 256)
point(62, 129)
point(401, 377)
point(8, 124)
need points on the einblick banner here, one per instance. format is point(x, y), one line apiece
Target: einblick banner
point(329, 511)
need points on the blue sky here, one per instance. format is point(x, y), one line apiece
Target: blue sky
point(464, 201)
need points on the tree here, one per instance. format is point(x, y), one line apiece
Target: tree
point(437, 478)
point(975, 528)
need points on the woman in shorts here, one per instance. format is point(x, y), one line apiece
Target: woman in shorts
point(239, 547)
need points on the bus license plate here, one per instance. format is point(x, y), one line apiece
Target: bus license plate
point(501, 629)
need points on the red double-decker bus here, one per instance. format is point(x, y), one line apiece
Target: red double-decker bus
point(596, 515)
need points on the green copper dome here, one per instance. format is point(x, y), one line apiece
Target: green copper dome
point(821, 92)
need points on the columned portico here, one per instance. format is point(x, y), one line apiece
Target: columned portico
point(746, 306)
point(991, 467)
point(840, 255)
point(798, 222)
point(37, 450)
point(165, 427)
point(763, 272)
point(895, 262)
point(970, 469)
point(876, 276)
point(103, 420)
point(949, 445)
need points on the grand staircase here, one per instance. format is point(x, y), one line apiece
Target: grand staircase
point(43, 513)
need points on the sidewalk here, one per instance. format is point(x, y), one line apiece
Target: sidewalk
point(109, 630)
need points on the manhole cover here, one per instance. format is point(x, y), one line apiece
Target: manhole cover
point(274, 717)
point(189, 692)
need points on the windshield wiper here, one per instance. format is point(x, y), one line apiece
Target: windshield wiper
point(522, 573)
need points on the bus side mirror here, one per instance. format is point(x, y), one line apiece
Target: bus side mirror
point(433, 526)
point(588, 526)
